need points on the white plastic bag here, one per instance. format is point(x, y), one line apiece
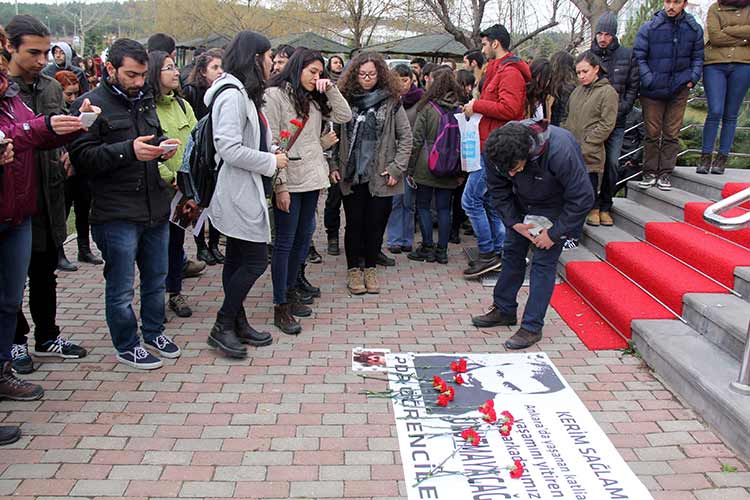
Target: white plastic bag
point(471, 150)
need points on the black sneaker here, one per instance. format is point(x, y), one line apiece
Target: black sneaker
point(139, 358)
point(648, 181)
point(395, 249)
point(570, 244)
point(484, 264)
point(164, 346)
point(664, 183)
point(9, 434)
point(21, 360)
point(522, 339)
point(313, 257)
point(60, 348)
point(333, 247)
point(178, 304)
point(384, 260)
point(493, 317)
point(423, 253)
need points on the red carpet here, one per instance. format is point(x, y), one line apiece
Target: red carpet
point(659, 273)
point(731, 188)
point(694, 215)
point(613, 295)
point(593, 331)
point(712, 255)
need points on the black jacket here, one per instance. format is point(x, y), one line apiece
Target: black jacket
point(622, 73)
point(194, 96)
point(122, 187)
point(556, 185)
point(45, 97)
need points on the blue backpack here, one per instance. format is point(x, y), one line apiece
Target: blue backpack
point(445, 154)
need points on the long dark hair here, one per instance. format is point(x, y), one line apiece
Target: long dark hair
point(242, 60)
point(563, 74)
point(155, 62)
point(538, 88)
point(349, 82)
point(443, 83)
point(290, 80)
point(197, 76)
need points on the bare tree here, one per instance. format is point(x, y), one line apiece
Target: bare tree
point(85, 17)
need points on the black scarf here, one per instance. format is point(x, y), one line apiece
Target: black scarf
point(364, 136)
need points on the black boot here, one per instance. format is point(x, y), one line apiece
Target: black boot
point(313, 257)
point(249, 335)
point(423, 253)
point(86, 255)
point(384, 260)
point(205, 256)
point(297, 305)
point(223, 338)
point(304, 285)
point(705, 165)
point(719, 164)
point(213, 249)
point(493, 317)
point(63, 264)
point(441, 255)
point(284, 321)
point(333, 246)
point(9, 434)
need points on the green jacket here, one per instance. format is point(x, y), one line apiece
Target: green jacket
point(425, 133)
point(176, 124)
point(728, 30)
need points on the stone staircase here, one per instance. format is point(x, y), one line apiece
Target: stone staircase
point(702, 278)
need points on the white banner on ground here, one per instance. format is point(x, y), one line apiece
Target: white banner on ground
point(565, 454)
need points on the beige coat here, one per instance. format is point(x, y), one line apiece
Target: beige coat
point(310, 173)
point(592, 114)
point(728, 33)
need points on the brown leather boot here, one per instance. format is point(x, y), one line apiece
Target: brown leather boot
point(705, 165)
point(13, 388)
point(354, 281)
point(719, 164)
point(371, 280)
point(284, 321)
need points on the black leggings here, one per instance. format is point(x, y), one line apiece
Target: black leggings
point(213, 236)
point(366, 219)
point(244, 263)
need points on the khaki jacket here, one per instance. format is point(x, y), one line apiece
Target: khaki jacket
point(592, 113)
point(728, 33)
point(310, 173)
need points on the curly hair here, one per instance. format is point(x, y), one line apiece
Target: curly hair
point(197, 75)
point(443, 83)
point(349, 82)
point(506, 146)
point(564, 77)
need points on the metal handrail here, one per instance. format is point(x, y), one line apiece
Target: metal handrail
point(712, 215)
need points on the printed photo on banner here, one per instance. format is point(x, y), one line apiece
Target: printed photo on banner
point(476, 426)
point(369, 360)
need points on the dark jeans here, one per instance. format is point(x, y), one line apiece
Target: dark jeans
point(543, 273)
point(42, 298)
point(125, 245)
point(78, 196)
point(366, 219)
point(292, 243)
point(443, 206)
point(613, 146)
point(726, 85)
point(213, 236)
point(15, 254)
point(332, 212)
point(245, 262)
point(458, 216)
point(177, 259)
point(662, 120)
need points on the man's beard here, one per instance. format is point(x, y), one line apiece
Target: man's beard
point(131, 91)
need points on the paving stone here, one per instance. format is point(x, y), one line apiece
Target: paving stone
point(30, 471)
point(99, 488)
point(723, 494)
point(317, 489)
point(136, 472)
point(211, 489)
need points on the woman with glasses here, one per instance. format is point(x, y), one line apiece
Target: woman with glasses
point(369, 162)
point(177, 121)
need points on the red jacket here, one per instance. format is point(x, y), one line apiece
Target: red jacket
point(18, 183)
point(503, 96)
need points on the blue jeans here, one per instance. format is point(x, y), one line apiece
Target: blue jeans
point(123, 245)
point(177, 259)
point(488, 227)
point(401, 222)
point(293, 235)
point(543, 274)
point(15, 254)
point(726, 85)
point(443, 205)
point(612, 147)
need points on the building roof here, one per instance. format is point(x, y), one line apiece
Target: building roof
point(311, 41)
point(427, 45)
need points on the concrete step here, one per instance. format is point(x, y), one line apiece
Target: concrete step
point(668, 203)
point(576, 255)
point(707, 186)
point(596, 238)
point(700, 373)
point(723, 319)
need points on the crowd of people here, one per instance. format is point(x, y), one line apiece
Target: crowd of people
point(112, 139)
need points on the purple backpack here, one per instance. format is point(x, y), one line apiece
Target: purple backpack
point(445, 154)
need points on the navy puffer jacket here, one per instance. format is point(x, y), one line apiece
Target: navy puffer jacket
point(669, 52)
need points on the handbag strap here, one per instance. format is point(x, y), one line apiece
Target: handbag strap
point(296, 135)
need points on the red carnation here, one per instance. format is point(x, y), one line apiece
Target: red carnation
point(487, 406)
point(490, 416)
point(285, 134)
point(509, 419)
point(450, 392)
point(516, 470)
point(459, 379)
point(443, 387)
point(460, 366)
point(296, 123)
point(436, 381)
point(442, 400)
point(471, 436)
point(505, 430)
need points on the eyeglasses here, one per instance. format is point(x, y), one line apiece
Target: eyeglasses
point(169, 67)
point(368, 76)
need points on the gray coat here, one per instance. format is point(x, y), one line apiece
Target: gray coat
point(394, 149)
point(238, 207)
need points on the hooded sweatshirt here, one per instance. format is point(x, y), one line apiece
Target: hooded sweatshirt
point(503, 96)
point(53, 68)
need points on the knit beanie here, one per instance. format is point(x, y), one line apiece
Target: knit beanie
point(607, 24)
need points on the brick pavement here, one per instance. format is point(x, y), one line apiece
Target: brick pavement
point(288, 422)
